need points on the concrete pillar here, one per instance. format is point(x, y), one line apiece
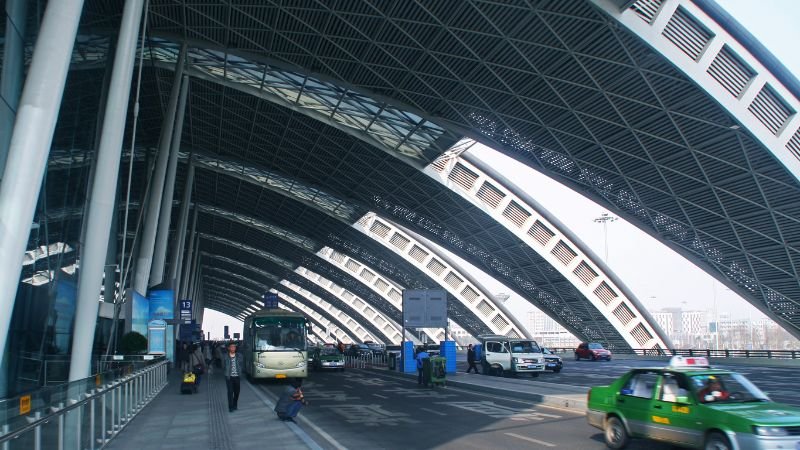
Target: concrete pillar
point(144, 260)
point(104, 192)
point(30, 144)
point(165, 216)
point(13, 73)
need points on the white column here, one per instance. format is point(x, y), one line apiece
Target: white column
point(104, 192)
point(165, 216)
point(30, 144)
point(13, 73)
point(186, 263)
point(144, 259)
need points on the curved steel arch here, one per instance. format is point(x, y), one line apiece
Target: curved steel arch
point(609, 102)
point(289, 274)
point(371, 297)
point(332, 203)
point(275, 279)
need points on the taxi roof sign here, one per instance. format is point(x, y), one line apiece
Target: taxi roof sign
point(689, 362)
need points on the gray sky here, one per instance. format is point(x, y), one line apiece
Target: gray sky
point(656, 275)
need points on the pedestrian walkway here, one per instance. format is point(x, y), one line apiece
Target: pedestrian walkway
point(202, 421)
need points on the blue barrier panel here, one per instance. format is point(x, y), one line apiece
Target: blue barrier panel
point(409, 364)
point(478, 351)
point(448, 350)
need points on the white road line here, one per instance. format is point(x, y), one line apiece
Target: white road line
point(381, 396)
point(535, 441)
point(433, 412)
point(262, 395)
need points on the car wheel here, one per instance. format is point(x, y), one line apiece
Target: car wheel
point(594, 358)
point(577, 358)
point(717, 441)
point(615, 434)
point(556, 370)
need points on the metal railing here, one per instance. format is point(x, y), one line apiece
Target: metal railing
point(366, 361)
point(82, 414)
point(708, 353)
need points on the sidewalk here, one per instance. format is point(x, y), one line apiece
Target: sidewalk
point(202, 421)
point(550, 394)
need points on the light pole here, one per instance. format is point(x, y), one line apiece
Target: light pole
point(604, 219)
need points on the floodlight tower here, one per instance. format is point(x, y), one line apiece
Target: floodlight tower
point(605, 218)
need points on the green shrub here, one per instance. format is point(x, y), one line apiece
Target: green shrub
point(133, 343)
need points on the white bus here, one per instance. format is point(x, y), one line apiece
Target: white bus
point(274, 344)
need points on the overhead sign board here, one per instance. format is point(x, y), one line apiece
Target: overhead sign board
point(270, 300)
point(162, 304)
point(425, 308)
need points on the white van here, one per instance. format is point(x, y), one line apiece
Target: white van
point(502, 354)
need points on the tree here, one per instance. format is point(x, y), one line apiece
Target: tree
point(133, 343)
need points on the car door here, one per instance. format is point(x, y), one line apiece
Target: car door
point(674, 416)
point(582, 350)
point(496, 354)
point(635, 401)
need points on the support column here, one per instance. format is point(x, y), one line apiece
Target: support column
point(30, 144)
point(13, 73)
point(165, 216)
point(110, 267)
point(145, 258)
point(186, 268)
point(104, 192)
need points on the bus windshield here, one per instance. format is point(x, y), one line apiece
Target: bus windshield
point(279, 333)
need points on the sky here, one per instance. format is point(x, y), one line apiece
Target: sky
point(656, 275)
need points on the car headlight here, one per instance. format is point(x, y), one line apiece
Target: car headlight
point(540, 360)
point(301, 364)
point(260, 366)
point(770, 431)
point(514, 360)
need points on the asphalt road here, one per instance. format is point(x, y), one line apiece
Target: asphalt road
point(780, 383)
point(359, 409)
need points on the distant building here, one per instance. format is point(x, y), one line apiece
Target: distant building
point(549, 333)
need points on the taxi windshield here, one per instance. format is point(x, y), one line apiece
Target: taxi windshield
point(524, 347)
point(329, 351)
point(726, 388)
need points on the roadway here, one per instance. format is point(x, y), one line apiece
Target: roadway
point(777, 382)
point(373, 409)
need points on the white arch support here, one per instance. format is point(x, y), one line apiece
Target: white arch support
point(449, 277)
point(338, 332)
point(358, 331)
point(386, 288)
point(529, 224)
point(705, 52)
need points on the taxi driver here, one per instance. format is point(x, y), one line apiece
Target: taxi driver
point(713, 391)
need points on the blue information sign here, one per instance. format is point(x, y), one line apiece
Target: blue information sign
point(162, 304)
point(270, 300)
point(186, 310)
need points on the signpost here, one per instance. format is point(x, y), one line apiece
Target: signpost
point(186, 311)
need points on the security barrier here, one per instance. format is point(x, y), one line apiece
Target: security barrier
point(93, 411)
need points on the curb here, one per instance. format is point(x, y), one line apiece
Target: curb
point(576, 404)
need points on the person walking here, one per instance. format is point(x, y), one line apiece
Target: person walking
point(290, 401)
point(232, 368)
point(421, 354)
point(197, 363)
point(183, 357)
point(471, 359)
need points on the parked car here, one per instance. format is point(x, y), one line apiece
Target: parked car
point(552, 361)
point(690, 404)
point(593, 351)
point(328, 358)
point(377, 349)
point(358, 350)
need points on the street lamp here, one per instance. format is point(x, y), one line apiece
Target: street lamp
point(604, 219)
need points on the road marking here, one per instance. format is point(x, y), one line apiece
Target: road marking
point(262, 395)
point(433, 412)
point(535, 441)
point(380, 396)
